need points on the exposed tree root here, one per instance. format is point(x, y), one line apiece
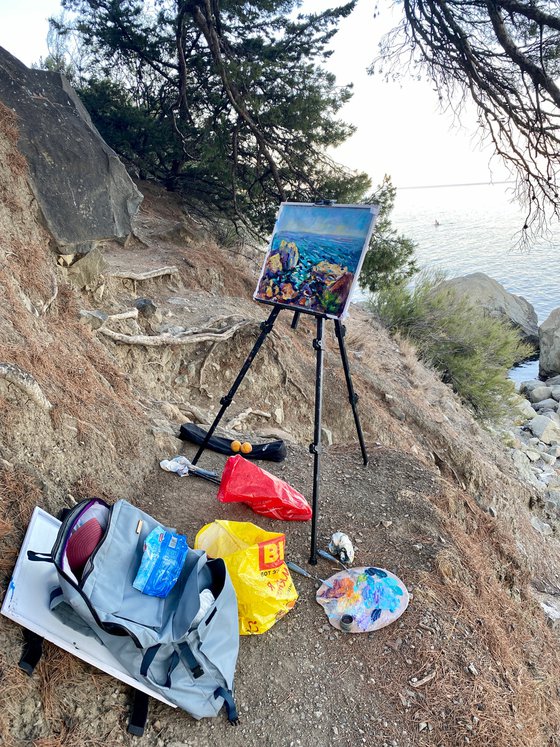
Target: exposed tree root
point(24, 381)
point(130, 314)
point(242, 417)
point(188, 337)
point(54, 293)
point(148, 275)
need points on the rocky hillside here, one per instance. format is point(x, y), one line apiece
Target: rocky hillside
point(104, 354)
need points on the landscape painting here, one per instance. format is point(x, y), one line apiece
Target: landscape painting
point(315, 256)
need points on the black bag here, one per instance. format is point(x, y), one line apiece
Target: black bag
point(273, 451)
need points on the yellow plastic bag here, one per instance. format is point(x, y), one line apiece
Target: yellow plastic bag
point(255, 561)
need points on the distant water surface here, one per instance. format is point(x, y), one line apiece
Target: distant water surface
point(467, 229)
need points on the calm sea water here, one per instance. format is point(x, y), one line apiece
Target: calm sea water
point(314, 248)
point(468, 229)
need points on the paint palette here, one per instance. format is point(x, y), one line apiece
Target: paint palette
point(363, 599)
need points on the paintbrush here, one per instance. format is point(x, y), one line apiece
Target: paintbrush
point(303, 572)
point(328, 556)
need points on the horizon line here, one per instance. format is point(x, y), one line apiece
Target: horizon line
point(464, 184)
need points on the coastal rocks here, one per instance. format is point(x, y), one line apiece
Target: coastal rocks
point(545, 429)
point(526, 412)
point(290, 278)
point(535, 450)
point(490, 295)
point(82, 188)
point(539, 393)
point(288, 254)
point(549, 341)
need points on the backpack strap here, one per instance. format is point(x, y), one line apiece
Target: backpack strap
point(139, 714)
point(31, 652)
point(231, 709)
point(39, 557)
point(188, 659)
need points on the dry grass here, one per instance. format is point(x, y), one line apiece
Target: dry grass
point(61, 683)
point(8, 124)
point(19, 494)
point(69, 364)
point(494, 658)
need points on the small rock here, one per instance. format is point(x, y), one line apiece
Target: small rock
point(87, 269)
point(528, 386)
point(545, 429)
point(524, 408)
point(145, 306)
point(93, 319)
point(540, 393)
point(327, 436)
point(395, 644)
point(65, 260)
point(533, 455)
point(555, 393)
point(541, 526)
point(546, 404)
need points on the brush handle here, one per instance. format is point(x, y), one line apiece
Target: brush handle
point(303, 572)
point(298, 569)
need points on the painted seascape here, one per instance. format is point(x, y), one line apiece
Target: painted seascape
point(314, 256)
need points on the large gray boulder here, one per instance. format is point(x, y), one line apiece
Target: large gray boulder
point(549, 340)
point(497, 301)
point(83, 190)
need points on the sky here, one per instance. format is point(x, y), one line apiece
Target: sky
point(400, 130)
point(330, 221)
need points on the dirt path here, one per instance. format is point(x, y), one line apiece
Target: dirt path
point(303, 682)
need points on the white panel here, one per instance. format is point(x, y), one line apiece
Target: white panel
point(27, 603)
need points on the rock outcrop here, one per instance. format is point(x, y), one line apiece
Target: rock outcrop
point(83, 190)
point(497, 301)
point(549, 340)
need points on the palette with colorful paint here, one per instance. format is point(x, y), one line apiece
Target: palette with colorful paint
point(363, 599)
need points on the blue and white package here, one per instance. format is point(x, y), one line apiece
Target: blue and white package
point(162, 561)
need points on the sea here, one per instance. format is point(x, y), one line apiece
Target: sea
point(477, 228)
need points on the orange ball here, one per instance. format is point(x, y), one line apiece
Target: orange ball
point(236, 446)
point(246, 448)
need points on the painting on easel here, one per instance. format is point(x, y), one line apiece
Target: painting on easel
point(315, 256)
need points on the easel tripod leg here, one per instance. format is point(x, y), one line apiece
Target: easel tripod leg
point(315, 447)
point(340, 332)
point(266, 328)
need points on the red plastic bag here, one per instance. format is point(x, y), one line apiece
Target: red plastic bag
point(245, 482)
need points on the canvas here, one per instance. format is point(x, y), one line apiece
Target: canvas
point(315, 256)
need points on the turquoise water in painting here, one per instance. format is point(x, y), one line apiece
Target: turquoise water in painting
point(314, 248)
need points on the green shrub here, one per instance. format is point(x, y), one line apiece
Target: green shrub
point(472, 350)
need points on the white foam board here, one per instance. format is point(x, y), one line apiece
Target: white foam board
point(27, 603)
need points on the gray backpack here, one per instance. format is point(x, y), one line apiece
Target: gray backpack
point(191, 662)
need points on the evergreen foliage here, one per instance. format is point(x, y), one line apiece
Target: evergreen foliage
point(471, 350)
point(227, 103)
point(390, 257)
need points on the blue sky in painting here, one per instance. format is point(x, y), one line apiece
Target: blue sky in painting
point(327, 221)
